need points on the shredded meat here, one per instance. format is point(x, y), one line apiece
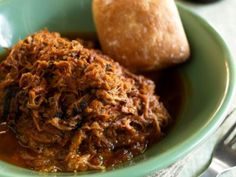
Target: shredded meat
point(74, 109)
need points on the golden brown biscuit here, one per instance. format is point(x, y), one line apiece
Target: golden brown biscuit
point(141, 34)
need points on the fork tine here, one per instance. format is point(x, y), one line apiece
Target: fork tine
point(229, 115)
point(225, 137)
point(232, 141)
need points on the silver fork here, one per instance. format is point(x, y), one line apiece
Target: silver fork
point(224, 155)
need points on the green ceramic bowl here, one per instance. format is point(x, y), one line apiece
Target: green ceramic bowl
point(210, 75)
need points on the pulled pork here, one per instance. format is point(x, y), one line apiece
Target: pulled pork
point(74, 109)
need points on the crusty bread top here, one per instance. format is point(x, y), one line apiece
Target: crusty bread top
point(141, 34)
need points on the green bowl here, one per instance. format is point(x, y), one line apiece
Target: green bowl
point(210, 75)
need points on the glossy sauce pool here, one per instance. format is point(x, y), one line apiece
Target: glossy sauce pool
point(170, 86)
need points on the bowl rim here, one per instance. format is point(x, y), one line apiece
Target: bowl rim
point(189, 144)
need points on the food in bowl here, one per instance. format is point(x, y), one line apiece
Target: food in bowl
point(75, 109)
point(200, 119)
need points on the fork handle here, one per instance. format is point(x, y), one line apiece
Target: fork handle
point(215, 168)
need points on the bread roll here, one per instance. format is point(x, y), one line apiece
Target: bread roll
point(141, 34)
